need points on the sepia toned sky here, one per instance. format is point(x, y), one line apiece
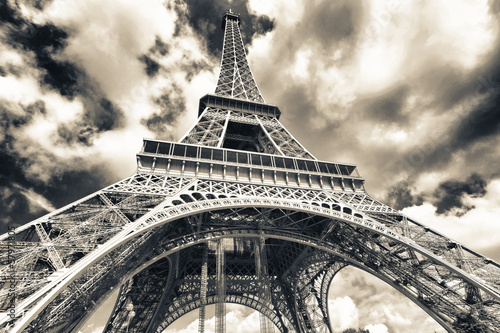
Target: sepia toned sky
point(409, 91)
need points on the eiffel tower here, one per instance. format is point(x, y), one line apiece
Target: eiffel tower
point(237, 211)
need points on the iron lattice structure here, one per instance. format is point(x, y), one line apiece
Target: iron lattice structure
point(237, 211)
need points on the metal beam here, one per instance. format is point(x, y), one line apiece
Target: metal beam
point(220, 306)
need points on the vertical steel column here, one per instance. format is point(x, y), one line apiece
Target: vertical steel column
point(266, 326)
point(220, 306)
point(203, 289)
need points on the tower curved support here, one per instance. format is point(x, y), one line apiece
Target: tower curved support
point(310, 282)
point(324, 289)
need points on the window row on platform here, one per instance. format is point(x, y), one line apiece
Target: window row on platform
point(247, 158)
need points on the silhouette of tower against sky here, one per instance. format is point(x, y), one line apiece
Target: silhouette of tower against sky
point(236, 211)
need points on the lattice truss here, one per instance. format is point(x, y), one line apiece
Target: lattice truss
point(269, 135)
point(150, 227)
point(235, 78)
point(209, 128)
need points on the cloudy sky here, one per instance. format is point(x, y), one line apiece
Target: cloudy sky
point(407, 90)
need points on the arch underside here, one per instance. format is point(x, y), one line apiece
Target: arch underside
point(298, 294)
point(299, 223)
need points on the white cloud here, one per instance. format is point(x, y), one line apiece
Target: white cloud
point(193, 327)
point(394, 30)
point(107, 38)
point(10, 57)
point(121, 158)
point(335, 89)
point(377, 328)
point(302, 60)
point(239, 319)
point(289, 12)
point(37, 202)
point(368, 301)
point(23, 90)
point(379, 66)
point(343, 313)
point(396, 319)
point(471, 17)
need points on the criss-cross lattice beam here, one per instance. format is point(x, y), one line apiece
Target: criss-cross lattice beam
point(209, 129)
point(284, 141)
point(242, 287)
point(273, 138)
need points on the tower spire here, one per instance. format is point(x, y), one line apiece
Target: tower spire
point(235, 77)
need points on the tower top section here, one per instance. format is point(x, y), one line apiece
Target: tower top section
point(235, 78)
point(229, 15)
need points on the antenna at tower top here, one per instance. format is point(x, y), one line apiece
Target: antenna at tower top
point(229, 14)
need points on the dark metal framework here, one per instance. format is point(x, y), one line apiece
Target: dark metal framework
point(237, 212)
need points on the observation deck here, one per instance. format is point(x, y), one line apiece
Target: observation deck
point(173, 158)
point(236, 104)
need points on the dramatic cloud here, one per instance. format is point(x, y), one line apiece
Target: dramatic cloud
point(82, 84)
point(394, 88)
point(16, 201)
point(477, 228)
point(201, 16)
point(359, 300)
point(450, 194)
point(400, 196)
